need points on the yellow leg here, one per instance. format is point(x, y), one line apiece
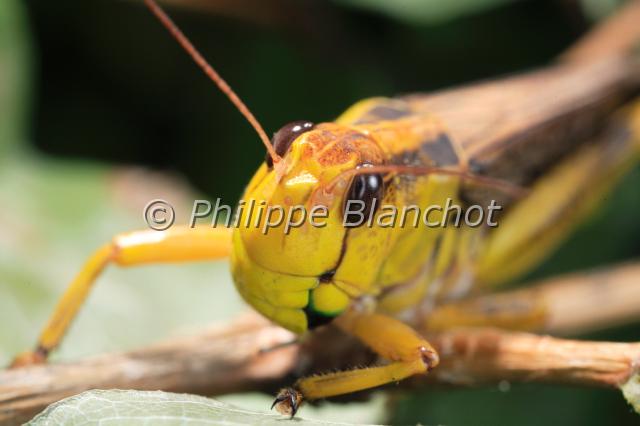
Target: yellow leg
point(134, 248)
point(521, 310)
point(408, 352)
point(568, 193)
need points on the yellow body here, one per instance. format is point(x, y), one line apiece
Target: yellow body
point(376, 282)
point(369, 279)
point(396, 269)
point(381, 274)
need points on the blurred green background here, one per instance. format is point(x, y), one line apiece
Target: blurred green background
point(100, 112)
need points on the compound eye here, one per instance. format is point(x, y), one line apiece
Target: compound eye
point(283, 138)
point(367, 189)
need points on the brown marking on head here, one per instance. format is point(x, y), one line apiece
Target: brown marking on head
point(335, 144)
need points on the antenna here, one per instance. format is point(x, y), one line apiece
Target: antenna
point(212, 74)
point(500, 184)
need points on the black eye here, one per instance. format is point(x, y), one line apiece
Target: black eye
point(367, 188)
point(283, 138)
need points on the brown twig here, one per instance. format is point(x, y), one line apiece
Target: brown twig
point(230, 358)
point(474, 356)
point(619, 34)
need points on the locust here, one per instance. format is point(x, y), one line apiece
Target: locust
point(545, 145)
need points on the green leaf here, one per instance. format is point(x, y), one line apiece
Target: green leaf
point(126, 407)
point(425, 11)
point(631, 391)
point(422, 12)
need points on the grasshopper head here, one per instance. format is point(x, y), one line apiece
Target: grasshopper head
point(289, 237)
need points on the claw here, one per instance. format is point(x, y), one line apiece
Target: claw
point(25, 359)
point(278, 400)
point(430, 358)
point(287, 402)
